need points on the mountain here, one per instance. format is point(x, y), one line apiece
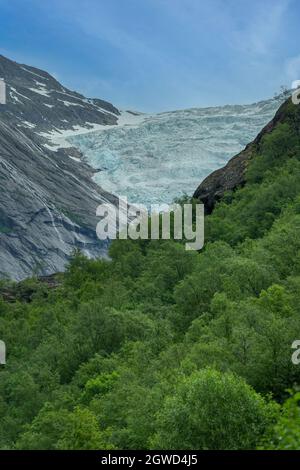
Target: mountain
point(48, 200)
point(156, 158)
point(36, 100)
point(163, 348)
point(233, 175)
point(62, 154)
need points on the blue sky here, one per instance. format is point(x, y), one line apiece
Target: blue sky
point(157, 55)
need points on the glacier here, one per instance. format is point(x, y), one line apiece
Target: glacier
point(156, 158)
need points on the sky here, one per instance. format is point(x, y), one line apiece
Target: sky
point(158, 55)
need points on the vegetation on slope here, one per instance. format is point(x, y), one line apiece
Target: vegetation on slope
point(164, 348)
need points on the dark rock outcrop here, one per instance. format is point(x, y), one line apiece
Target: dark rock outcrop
point(24, 292)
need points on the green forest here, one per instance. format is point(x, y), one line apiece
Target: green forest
point(163, 348)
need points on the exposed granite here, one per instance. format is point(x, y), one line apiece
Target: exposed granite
point(47, 200)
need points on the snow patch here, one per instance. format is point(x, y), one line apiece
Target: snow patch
point(28, 124)
point(40, 91)
point(68, 103)
point(60, 138)
point(20, 94)
point(33, 73)
point(15, 98)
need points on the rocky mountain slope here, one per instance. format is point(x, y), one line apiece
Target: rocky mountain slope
point(47, 200)
point(232, 176)
point(36, 100)
point(52, 180)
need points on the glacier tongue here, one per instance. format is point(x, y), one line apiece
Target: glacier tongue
point(156, 158)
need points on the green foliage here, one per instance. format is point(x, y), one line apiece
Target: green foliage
point(4, 229)
point(285, 434)
point(63, 430)
point(211, 410)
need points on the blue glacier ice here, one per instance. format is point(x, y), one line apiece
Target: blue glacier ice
point(156, 158)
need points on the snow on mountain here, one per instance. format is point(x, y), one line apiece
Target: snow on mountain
point(47, 200)
point(51, 137)
point(156, 158)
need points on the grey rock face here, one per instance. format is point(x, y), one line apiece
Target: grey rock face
point(47, 200)
point(36, 100)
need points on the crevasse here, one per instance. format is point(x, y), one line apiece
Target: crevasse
point(156, 158)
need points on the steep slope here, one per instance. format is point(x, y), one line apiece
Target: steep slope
point(48, 197)
point(264, 186)
point(233, 174)
point(157, 348)
point(47, 200)
point(35, 100)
